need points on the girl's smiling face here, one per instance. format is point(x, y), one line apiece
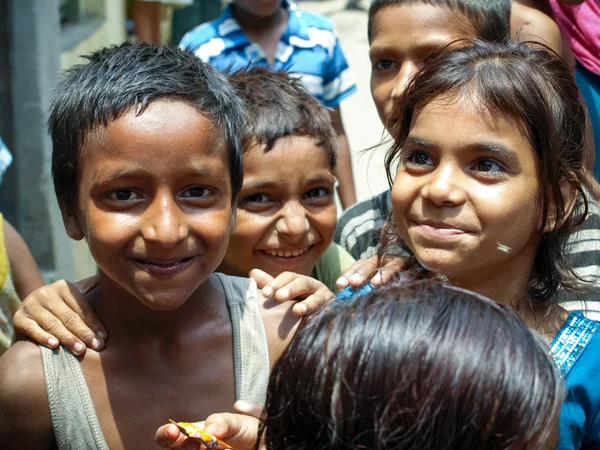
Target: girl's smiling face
point(466, 197)
point(401, 38)
point(286, 214)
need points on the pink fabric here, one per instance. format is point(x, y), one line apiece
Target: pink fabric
point(581, 25)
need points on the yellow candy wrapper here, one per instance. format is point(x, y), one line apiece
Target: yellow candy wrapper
point(206, 439)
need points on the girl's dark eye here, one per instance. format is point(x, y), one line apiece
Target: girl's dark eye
point(385, 64)
point(417, 157)
point(123, 195)
point(488, 165)
point(317, 193)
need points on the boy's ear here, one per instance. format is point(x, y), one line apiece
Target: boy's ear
point(569, 195)
point(72, 224)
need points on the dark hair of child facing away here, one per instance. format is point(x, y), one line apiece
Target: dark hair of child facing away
point(280, 106)
point(531, 85)
point(114, 80)
point(489, 19)
point(417, 366)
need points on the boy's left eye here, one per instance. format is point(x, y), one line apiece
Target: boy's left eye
point(317, 193)
point(257, 198)
point(195, 192)
point(124, 195)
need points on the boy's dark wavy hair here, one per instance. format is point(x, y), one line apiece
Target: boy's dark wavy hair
point(118, 78)
point(279, 106)
point(413, 366)
point(488, 19)
point(531, 85)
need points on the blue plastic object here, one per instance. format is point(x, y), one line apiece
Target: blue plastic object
point(350, 293)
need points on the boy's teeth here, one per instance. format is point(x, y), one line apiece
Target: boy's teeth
point(286, 253)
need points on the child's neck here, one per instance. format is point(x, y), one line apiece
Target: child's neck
point(126, 318)
point(509, 287)
point(250, 22)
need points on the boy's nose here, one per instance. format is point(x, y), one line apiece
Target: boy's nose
point(443, 188)
point(164, 223)
point(407, 70)
point(293, 223)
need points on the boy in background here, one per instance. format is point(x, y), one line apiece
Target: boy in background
point(274, 34)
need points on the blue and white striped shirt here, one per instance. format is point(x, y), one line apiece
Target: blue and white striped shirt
point(309, 48)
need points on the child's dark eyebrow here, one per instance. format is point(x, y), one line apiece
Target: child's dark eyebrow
point(317, 179)
point(106, 176)
point(506, 153)
point(413, 140)
point(267, 184)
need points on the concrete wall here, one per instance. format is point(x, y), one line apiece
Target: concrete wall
point(33, 49)
point(110, 30)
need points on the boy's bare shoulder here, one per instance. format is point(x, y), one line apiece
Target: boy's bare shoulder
point(24, 410)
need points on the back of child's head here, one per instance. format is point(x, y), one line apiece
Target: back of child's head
point(532, 87)
point(131, 76)
point(487, 19)
point(417, 366)
point(278, 107)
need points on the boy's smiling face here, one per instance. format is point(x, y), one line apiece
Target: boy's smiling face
point(397, 52)
point(154, 202)
point(286, 214)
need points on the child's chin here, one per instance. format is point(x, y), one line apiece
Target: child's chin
point(438, 261)
point(165, 300)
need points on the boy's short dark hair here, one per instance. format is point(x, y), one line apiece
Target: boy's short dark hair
point(489, 19)
point(119, 78)
point(279, 106)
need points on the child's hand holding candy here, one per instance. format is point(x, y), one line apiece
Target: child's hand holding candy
point(236, 430)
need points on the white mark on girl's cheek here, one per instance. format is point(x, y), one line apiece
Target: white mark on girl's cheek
point(503, 248)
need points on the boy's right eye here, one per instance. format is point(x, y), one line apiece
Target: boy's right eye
point(124, 195)
point(385, 64)
point(257, 198)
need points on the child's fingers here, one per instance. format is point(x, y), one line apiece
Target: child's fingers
point(52, 326)
point(77, 329)
point(261, 277)
point(278, 286)
point(239, 431)
point(290, 286)
point(313, 302)
point(27, 327)
point(169, 436)
point(358, 273)
point(248, 408)
point(393, 265)
point(86, 326)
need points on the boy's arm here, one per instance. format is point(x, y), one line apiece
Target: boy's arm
point(343, 170)
point(25, 273)
point(24, 411)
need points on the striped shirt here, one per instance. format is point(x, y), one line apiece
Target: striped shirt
point(309, 49)
point(359, 231)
